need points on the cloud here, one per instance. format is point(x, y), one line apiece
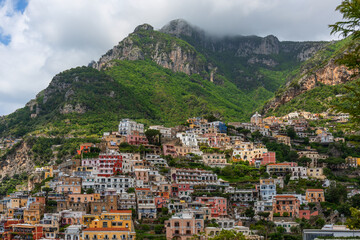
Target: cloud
point(45, 37)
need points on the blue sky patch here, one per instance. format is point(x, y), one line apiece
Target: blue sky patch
point(20, 5)
point(5, 39)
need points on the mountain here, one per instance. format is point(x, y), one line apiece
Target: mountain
point(163, 77)
point(318, 85)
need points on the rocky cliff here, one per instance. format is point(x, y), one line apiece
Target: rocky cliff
point(330, 74)
point(320, 70)
point(146, 44)
point(17, 161)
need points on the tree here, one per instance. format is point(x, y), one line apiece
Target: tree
point(153, 136)
point(304, 161)
point(350, 9)
point(229, 235)
point(250, 213)
point(336, 193)
point(291, 132)
point(354, 221)
point(263, 215)
point(89, 191)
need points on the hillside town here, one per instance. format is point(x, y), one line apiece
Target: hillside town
point(270, 178)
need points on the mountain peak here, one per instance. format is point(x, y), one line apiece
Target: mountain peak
point(144, 27)
point(180, 27)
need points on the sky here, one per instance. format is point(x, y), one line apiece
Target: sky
point(40, 38)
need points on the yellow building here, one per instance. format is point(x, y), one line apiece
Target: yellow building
point(48, 171)
point(107, 233)
point(316, 173)
point(116, 224)
point(352, 161)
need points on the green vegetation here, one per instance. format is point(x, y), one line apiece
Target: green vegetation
point(317, 100)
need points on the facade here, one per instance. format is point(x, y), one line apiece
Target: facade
point(184, 225)
point(193, 176)
point(267, 189)
point(214, 159)
point(128, 127)
point(315, 195)
point(316, 173)
point(286, 204)
point(218, 205)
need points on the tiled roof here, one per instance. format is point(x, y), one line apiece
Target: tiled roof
point(105, 229)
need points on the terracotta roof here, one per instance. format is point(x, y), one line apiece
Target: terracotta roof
point(120, 211)
point(280, 164)
point(314, 190)
point(105, 229)
point(285, 196)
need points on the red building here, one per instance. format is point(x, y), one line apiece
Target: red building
point(109, 164)
point(24, 231)
point(218, 205)
point(307, 214)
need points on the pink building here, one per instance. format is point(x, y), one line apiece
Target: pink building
point(218, 205)
point(169, 149)
point(136, 139)
point(184, 225)
point(268, 158)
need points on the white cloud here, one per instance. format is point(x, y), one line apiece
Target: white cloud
point(52, 36)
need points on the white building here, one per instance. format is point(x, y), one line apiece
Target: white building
point(188, 139)
point(127, 127)
point(164, 131)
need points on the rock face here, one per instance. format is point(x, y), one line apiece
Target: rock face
point(69, 108)
point(330, 74)
point(145, 43)
point(18, 162)
point(240, 46)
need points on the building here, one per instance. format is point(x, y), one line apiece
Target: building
point(193, 176)
point(316, 173)
point(283, 139)
point(280, 169)
point(218, 205)
point(256, 119)
point(184, 225)
point(352, 161)
point(315, 195)
point(214, 159)
point(268, 158)
point(267, 189)
point(164, 131)
point(128, 127)
point(243, 195)
point(136, 139)
point(114, 224)
point(288, 204)
point(331, 231)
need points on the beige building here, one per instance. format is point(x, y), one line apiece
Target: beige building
point(316, 173)
point(214, 159)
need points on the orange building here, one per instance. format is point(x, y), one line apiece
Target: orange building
point(288, 204)
point(315, 195)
